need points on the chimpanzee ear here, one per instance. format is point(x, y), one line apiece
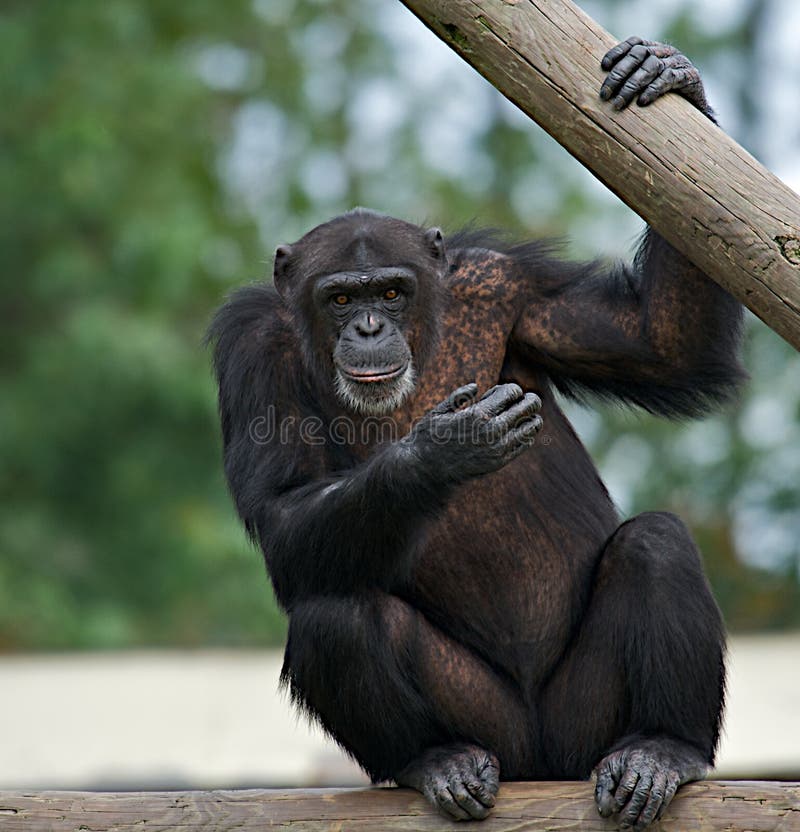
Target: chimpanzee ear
point(435, 241)
point(280, 271)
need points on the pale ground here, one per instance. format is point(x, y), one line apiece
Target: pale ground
point(215, 719)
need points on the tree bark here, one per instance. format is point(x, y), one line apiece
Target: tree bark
point(521, 807)
point(691, 182)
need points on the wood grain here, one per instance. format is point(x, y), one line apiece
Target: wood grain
point(533, 807)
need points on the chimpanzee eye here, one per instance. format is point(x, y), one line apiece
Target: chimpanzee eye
point(341, 300)
point(391, 294)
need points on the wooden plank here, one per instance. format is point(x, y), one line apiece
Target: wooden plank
point(734, 806)
point(703, 192)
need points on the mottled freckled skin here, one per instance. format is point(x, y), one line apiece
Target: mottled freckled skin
point(466, 611)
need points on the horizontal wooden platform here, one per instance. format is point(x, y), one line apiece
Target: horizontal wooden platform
point(733, 806)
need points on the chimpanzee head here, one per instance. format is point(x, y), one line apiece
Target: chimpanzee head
point(364, 293)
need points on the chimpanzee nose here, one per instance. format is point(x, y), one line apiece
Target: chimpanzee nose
point(368, 324)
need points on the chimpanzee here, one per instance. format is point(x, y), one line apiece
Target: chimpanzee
point(464, 605)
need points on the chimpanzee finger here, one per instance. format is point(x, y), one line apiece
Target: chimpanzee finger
point(629, 815)
point(669, 792)
point(489, 772)
point(654, 801)
point(458, 398)
point(680, 77)
point(497, 399)
point(447, 803)
point(473, 807)
point(604, 791)
point(520, 438)
point(480, 790)
point(661, 85)
point(638, 82)
point(620, 73)
point(627, 787)
point(526, 408)
point(620, 50)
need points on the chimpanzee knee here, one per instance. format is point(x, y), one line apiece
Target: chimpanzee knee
point(653, 546)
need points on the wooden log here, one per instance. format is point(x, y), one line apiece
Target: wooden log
point(521, 807)
point(691, 182)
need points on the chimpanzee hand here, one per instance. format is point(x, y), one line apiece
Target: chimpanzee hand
point(459, 442)
point(460, 780)
point(637, 782)
point(648, 69)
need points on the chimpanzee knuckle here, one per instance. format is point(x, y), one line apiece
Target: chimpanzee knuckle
point(508, 394)
point(457, 398)
point(657, 88)
point(630, 89)
point(531, 403)
point(651, 68)
point(627, 785)
point(480, 791)
point(488, 768)
point(675, 64)
point(464, 394)
point(490, 393)
point(614, 54)
point(617, 76)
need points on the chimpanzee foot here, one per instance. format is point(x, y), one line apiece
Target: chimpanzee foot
point(460, 780)
point(638, 781)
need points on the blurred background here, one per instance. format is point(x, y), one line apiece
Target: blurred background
point(152, 155)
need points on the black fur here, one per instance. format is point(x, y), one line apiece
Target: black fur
point(459, 601)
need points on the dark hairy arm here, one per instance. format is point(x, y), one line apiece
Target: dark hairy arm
point(657, 333)
point(356, 529)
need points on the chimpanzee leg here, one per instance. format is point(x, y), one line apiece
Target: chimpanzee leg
point(408, 702)
point(643, 681)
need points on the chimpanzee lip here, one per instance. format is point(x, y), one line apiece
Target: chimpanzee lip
point(372, 374)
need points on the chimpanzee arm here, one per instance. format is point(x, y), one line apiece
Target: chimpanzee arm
point(658, 333)
point(357, 529)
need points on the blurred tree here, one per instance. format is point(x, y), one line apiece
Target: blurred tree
point(151, 154)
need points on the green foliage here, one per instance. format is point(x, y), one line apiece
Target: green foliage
point(151, 155)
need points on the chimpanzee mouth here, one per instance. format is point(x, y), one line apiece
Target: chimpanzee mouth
point(372, 374)
point(375, 391)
